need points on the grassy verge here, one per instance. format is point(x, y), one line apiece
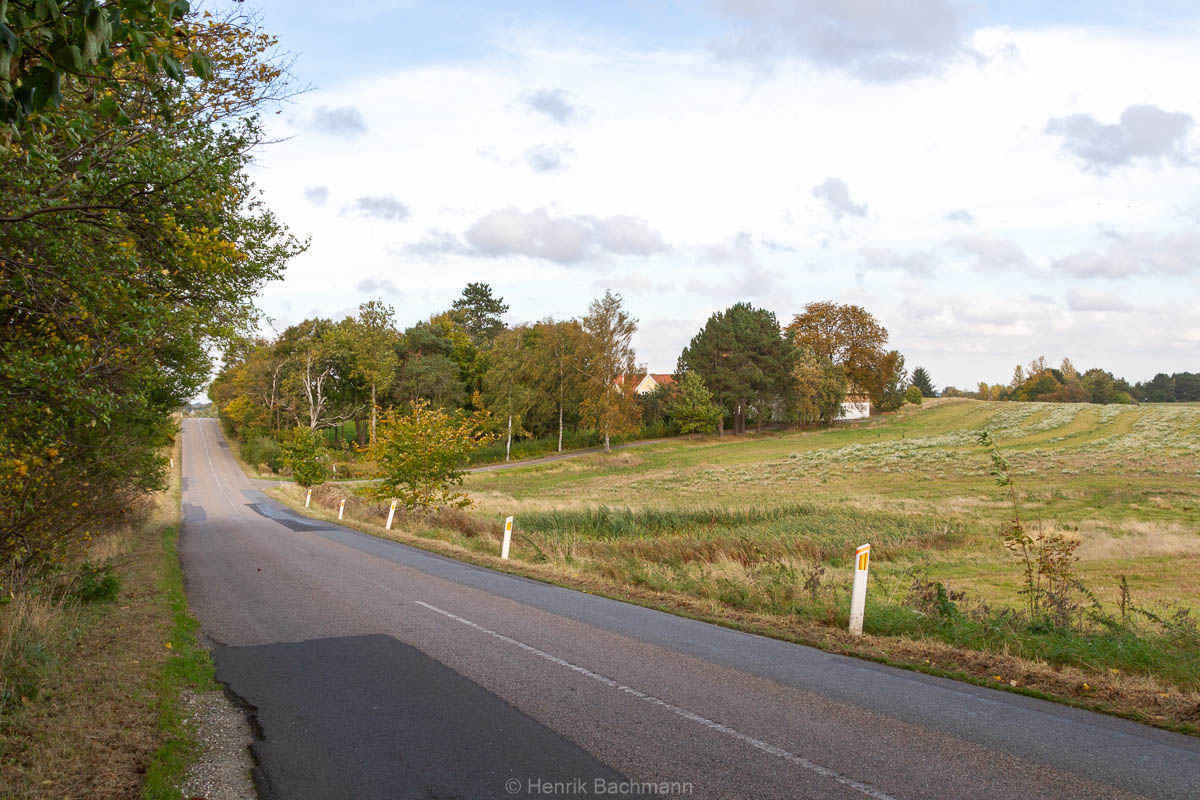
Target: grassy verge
point(187, 667)
point(94, 711)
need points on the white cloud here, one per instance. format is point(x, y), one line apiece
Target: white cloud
point(836, 195)
point(1092, 300)
point(554, 103)
point(547, 158)
point(381, 207)
point(317, 195)
point(564, 240)
point(1126, 256)
point(344, 121)
point(875, 40)
point(1144, 132)
point(992, 252)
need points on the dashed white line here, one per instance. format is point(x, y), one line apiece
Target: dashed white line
point(757, 744)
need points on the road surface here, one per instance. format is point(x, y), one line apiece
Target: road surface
point(376, 670)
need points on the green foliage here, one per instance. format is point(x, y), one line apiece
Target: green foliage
point(744, 361)
point(479, 312)
point(820, 387)
point(422, 454)
point(691, 405)
point(96, 583)
point(130, 246)
point(850, 337)
point(921, 380)
point(893, 384)
point(48, 50)
point(304, 454)
point(607, 359)
point(1047, 560)
point(262, 450)
point(913, 395)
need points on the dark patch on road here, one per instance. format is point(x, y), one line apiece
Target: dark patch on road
point(193, 513)
point(183, 484)
point(286, 518)
point(371, 717)
point(222, 443)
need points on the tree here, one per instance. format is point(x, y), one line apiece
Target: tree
point(893, 381)
point(429, 372)
point(913, 395)
point(691, 405)
point(820, 387)
point(479, 312)
point(558, 351)
point(422, 452)
point(50, 49)
point(850, 337)
point(1161, 389)
point(606, 357)
point(507, 382)
point(131, 247)
point(743, 360)
point(315, 380)
point(373, 342)
point(921, 380)
point(303, 453)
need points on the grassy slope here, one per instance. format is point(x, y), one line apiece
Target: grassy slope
point(1125, 481)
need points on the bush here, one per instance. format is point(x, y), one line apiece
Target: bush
point(913, 395)
point(96, 583)
point(306, 457)
point(263, 450)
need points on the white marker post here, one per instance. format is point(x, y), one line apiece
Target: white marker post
point(858, 597)
point(172, 463)
point(308, 498)
point(341, 508)
point(391, 515)
point(507, 538)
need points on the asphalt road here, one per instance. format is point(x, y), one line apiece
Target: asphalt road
point(376, 670)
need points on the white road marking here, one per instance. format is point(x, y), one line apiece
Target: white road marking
point(757, 744)
point(213, 469)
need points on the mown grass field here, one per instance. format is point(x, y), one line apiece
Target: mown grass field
point(1123, 481)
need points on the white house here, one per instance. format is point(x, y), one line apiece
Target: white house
point(857, 405)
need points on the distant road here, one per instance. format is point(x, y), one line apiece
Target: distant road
point(377, 670)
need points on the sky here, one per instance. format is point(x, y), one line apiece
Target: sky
point(994, 181)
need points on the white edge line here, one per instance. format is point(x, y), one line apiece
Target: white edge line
point(757, 744)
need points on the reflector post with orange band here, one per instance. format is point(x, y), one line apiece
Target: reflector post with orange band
point(858, 596)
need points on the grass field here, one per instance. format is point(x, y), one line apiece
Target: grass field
point(1123, 481)
point(759, 532)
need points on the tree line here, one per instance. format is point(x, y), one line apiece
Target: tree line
point(555, 379)
point(131, 243)
point(1065, 384)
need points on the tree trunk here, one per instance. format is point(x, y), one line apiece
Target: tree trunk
point(508, 444)
point(373, 406)
point(758, 423)
point(607, 446)
point(560, 426)
point(721, 425)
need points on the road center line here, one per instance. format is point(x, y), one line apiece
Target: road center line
point(757, 744)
